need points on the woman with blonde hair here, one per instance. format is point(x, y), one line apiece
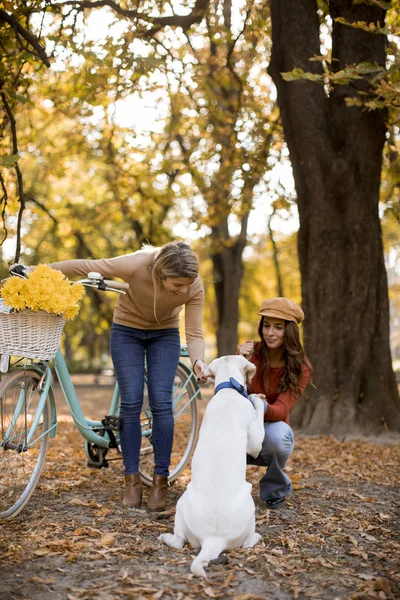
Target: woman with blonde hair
point(282, 375)
point(145, 330)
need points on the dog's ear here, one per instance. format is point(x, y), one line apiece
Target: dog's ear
point(250, 371)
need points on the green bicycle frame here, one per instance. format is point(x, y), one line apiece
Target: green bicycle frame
point(85, 426)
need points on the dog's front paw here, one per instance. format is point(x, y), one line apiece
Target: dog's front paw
point(257, 402)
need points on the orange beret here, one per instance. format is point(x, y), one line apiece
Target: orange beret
point(282, 308)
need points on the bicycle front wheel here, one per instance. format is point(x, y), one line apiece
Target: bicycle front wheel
point(23, 440)
point(186, 425)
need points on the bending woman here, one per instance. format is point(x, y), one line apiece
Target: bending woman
point(283, 373)
point(145, 329)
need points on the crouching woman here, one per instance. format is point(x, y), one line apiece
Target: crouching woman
point(283, 373)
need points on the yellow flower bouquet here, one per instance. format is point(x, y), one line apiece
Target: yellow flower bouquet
point(45, 289)
point(33, 312)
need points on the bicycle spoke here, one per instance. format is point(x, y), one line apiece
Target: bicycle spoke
point(23, 443)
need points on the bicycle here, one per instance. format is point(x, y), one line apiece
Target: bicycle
point(28, 418)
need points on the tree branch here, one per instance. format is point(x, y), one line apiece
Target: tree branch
point(20, 185)
point(81, 5)
point(3, 201)
point(26, 34)
point(184, 21)
point(30, 198)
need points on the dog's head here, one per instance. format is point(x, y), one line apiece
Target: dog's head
point(234, 362)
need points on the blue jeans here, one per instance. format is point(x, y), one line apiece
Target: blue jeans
point(160, 348)
point(277, 446)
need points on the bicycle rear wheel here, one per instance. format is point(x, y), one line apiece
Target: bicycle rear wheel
point(186, 425)
point(21, 457)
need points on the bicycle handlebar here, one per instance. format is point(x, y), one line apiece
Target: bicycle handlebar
point(94, 280)
point(117, 285)
point(18, 270)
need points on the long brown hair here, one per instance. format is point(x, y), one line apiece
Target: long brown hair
point(293, 354)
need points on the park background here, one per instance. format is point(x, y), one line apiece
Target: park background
point(266, 134)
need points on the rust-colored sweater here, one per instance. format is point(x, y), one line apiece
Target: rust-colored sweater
point(279, 405)
point(143, 307)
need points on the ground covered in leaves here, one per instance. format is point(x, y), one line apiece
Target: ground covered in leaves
point(337, 537)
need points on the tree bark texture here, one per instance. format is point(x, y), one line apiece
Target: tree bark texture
point(336, 154)
point(226, 256)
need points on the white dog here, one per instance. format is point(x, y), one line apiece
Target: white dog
point(217, 512)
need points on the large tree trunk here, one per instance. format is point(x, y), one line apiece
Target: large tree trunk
point(226, 256)
point(336, 155)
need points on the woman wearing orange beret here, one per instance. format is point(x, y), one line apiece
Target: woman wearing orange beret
point(283, 373)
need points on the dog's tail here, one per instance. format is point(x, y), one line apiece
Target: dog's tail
point(211, 548)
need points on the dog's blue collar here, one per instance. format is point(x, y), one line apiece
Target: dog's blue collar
point(232, 384)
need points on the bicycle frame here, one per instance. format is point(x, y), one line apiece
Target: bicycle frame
point(30, 418)
point(84, 425)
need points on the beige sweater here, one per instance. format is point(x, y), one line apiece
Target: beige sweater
point(137, 308)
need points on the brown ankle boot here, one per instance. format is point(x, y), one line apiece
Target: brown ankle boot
point(133, 490)
point(158, 494)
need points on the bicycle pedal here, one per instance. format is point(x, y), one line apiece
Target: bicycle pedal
point(112, 423)
point(93, 465)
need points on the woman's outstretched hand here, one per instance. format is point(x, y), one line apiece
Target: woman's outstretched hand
point(199, 368)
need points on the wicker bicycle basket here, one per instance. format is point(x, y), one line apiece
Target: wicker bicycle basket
point(30, 334)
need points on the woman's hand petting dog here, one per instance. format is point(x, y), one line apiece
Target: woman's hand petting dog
point(246, 349)
point(198, 368)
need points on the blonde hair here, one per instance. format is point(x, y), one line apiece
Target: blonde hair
point(175, 259)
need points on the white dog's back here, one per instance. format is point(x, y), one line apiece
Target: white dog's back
point(217, 512)
point(222, 441)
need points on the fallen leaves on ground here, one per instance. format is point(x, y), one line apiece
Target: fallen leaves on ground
point(335, 539)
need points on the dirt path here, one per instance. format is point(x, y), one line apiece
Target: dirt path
point(337, 537)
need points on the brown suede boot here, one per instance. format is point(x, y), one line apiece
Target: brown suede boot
point(158, 494)
point(133, 490)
